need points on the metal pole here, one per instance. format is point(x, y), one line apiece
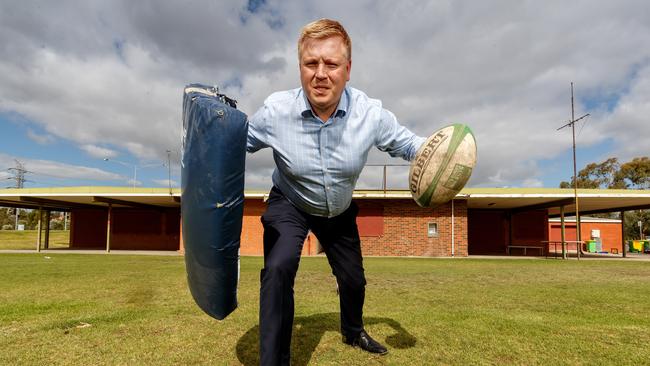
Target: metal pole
point(135, 174)
point(16, 226)
point(562, 232)
point(384, 178)
point(640, 227)
point(623, 234)
point(575, 177)
point(108, 228)
point(38, 235)
point(47, 230)
point(169, 172)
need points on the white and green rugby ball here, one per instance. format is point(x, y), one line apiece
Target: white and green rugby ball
point(442, 165)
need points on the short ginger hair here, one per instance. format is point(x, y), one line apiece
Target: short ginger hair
point(324, 28)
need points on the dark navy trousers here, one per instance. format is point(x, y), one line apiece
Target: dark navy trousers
point(285, 230)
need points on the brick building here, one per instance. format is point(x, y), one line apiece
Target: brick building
point(387, 227)
point(478, 221)
point(606, 231)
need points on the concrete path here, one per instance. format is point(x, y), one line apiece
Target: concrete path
point(97, 251)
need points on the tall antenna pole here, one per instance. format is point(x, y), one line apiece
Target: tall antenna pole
point(575, 176)
point(169, 171)
point(572, 123)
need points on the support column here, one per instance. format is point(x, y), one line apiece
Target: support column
point(509, 216)
point(163, 229)
point(47, 229)
point(38, 235)
point(109, 218)
point(578, 235)
point(623, 234)
point(71, 231)
point(181, 248)
point(562, 232)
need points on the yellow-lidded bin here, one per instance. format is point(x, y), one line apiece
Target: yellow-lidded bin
point(637, 246)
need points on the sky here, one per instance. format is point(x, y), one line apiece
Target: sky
point(91, 91)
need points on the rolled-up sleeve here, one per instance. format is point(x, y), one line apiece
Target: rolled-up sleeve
point(395, 139)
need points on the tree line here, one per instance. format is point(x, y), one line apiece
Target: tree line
point(28, 218)
point(612, 174)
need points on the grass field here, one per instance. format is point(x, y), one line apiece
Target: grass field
point(26, 239)
point(68, 309)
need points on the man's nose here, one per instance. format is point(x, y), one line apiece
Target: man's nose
point(321, 72)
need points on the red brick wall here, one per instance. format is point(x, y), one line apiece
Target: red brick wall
point(88, 228)
point(253, 231)
point(133, 229)
point(491, 231)
point(405, 227)
point(610, 233)
point(488, 232)
point(528, 228)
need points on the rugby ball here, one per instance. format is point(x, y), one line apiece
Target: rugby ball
point(442, 165)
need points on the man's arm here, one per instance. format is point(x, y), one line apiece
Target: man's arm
point(396, 139)
point(258, 130)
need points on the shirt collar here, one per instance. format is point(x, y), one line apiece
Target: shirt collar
point(341, 109)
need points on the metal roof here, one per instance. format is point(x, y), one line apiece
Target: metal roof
point(515, 199)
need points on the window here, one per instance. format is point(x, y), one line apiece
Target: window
point(432, 230)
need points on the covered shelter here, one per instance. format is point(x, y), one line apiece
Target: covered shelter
point(506, 219)
point(483, 221)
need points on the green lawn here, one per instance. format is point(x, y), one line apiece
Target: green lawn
point(68, 309)
point(26, 239)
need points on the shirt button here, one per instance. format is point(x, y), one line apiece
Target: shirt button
point(328, 188)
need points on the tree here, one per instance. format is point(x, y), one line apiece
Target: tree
point(31, 220)
point(632, 219)
point(609, 174)
point(4, 217)
point(634, 174)
point(602, 175)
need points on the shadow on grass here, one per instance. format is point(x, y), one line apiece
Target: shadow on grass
point(307, 333)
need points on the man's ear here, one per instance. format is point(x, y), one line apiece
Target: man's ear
point(349, 69)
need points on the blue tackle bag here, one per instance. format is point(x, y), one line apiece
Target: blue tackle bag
point(212, 198)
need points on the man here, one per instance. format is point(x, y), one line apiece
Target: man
point(320, 135)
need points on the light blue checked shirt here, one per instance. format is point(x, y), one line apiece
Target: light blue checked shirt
point(318, 162)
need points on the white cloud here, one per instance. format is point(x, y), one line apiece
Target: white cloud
point(165, 182)
point(531, 183)
point(38, 170)
point(98, 151)
point(38, 138)
point(112, 79)
point(6, 180)
point(628, 124)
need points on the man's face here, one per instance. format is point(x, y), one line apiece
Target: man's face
point(324, 70)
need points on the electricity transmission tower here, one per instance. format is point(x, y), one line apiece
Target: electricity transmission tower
point(19, 174)
point(19, 177)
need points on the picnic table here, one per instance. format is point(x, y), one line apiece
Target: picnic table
point(555, 243)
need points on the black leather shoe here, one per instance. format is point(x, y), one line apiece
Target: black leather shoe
point(366, 343)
